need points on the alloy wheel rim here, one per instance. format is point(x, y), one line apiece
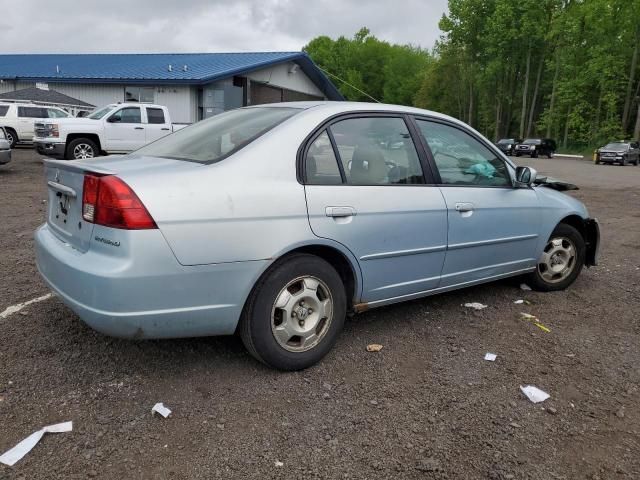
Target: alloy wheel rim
point(302, 314)
point(558, 260)
point(83, 150)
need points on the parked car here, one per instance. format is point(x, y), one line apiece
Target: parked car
point(508, 145)
point(619, 152)
point(5, 147)
point(116, 128)
point(249, 222)
point(19, 118)
point(535, 147)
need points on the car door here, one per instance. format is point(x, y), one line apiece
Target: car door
point(366, 189)
point(124, 130)
point(492, 226)
point(157, 126)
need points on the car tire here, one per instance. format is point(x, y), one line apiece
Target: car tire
point(299, 300)
point(517, 154)
point(550, 155)
point(561, 261)
point(81, 148)
point(12, 137)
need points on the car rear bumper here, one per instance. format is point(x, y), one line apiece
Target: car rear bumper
point(145, 293)
point(50, 148)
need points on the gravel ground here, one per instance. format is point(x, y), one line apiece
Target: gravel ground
point(426, 406)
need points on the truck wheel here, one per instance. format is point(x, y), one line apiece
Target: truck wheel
point(81, 148)
point(295, 313)
point(561, 261)
point(12, 137)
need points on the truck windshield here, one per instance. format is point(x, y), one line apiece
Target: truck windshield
point(98, 114)
point(212, 140)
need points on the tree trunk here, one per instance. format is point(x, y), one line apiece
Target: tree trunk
point(566, 129)
point(496, 132)
point(628, 100)
point(525, 88)
point(596, 122)
point(553, 94)
point(535, 97)
point(636, 131)
point(470, 120)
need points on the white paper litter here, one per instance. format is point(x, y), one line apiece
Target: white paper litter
point(475, 305)
point(491, 357)
point(16, 308)
point(534, 394)
point(519, 301)
point(279, 464)
point(11, 457)
point(525, 287)
point(161, 409)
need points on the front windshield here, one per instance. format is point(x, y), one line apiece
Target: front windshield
point(98, 114)
point(532, 141)
point(213, 139)
point(616, 146)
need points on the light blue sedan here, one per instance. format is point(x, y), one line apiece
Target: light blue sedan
point(276, 221)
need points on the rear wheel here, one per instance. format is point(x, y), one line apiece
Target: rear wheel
point(12, 137)
point(295, 313)
point(81, 148)
point(561, 261)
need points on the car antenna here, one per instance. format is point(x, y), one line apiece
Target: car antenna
point(352, 86)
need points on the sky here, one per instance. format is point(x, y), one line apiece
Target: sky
point(138, 26)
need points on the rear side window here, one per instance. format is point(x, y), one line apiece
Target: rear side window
point(216, 138)
point(461, 159)
point(321, 163)
point(55, 113)
point(3, 110)
point(377, 151)
point(155, 115)
point(32, 112)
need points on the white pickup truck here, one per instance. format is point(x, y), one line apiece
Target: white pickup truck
point(116, 128)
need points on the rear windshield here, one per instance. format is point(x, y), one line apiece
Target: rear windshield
point(213, 139)
point(3, 110)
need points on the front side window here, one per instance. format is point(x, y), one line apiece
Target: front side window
point(321, 163)
point(127, 115)
point(3, 110)
point(377, 151)
point(461, 159)
point(139, 94)
point(55, 113)
point(211, 140)
point(98, 114)
point(155, 115)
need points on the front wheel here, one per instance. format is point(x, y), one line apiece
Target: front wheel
point(561, 261)
point(81, 148)
point(295, 313)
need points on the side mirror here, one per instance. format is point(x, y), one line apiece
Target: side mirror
point(113, 119)
point(525, 176)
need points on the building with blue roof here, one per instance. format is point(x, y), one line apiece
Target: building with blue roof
point(192, 85)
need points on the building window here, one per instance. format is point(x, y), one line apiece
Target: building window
point(139, 94)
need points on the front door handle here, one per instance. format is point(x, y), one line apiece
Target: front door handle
point(139, 128)
point(464, 207)
point(340, 211)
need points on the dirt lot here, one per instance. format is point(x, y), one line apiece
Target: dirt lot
point(427, 406)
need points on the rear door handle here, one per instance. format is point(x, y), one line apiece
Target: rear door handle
point(340, 211)
point(464, 207)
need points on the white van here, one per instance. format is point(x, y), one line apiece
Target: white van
point(18, 119)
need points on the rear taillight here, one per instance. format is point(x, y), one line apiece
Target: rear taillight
point(108, 201)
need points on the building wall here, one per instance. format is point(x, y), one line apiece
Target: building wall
point(280, 76)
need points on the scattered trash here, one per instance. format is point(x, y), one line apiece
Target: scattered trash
point(475, 305)
point(491, 357)
point(515, 425)
point(519, 301)
point(279, 463)
point(525, 287)
point(570, 355)
point(16, 308)
point(535, 321)
point(374, 347)
point(11, 457)
point(552, 410)
point(161, 409)
point(534, 394)
point(620, 413)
